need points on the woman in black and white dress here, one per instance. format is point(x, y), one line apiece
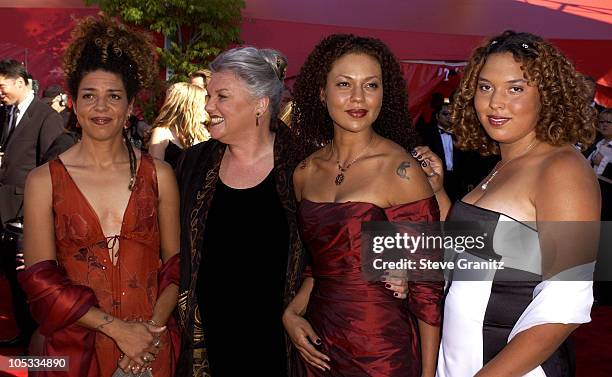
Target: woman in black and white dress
point(521, 98)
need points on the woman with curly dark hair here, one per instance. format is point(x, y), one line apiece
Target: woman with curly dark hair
point(351, 98)
point(521, 98)
point(101, 230)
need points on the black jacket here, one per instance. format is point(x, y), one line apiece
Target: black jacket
point(27, 144)
point(197, 175)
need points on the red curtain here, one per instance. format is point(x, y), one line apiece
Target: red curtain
point(423, 80)
point(37, 37)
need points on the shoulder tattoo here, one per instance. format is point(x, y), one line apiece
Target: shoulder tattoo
point(401, 170)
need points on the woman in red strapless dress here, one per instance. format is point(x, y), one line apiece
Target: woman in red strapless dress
point(351, 91)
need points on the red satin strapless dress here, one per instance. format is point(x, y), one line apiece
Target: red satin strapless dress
point(365, 330)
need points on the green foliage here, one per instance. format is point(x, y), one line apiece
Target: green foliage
point(197, 29)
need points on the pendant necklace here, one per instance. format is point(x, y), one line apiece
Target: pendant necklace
point(496, 170)
point(340, 177)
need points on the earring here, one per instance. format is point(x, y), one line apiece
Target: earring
point(257, 120)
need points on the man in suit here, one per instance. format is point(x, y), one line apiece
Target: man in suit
point(29, 126)
point(28, 131)
point(437, 137)
point(462, 170)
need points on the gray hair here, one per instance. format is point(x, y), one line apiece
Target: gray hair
point(262, 70)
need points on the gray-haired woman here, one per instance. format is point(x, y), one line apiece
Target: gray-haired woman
point(238, 223)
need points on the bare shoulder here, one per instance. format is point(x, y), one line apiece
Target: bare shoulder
point(565, 164)
point(160, 134)
point(567, 187)
point(303, 170)
point(310, 163)
point(40, 175)
point(397, 163)
point(403, 173)
point(164, 170)
point(38, 184)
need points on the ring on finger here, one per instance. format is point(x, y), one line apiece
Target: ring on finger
point(432, 174)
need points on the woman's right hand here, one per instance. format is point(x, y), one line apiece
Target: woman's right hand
point(303, 336)
point(135, 340)
point(432, 166)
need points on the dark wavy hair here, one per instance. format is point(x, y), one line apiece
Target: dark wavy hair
point(566, 116)
point(103, 43)
point(12, 69)
point(311, 120)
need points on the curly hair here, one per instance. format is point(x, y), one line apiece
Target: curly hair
point(311, 120)
point(566, 116)
point(106, 44)
point(102, 43)
point(183, 111)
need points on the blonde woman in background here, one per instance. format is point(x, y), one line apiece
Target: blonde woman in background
point(180, 123)
point(201, 78)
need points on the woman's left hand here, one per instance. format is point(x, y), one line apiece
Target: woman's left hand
point(130, 365)
point(397, 284)
point(432, 166)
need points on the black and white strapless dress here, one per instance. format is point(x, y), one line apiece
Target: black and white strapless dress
point(485, 309)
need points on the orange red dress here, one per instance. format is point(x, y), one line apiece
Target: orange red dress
point(127, 290)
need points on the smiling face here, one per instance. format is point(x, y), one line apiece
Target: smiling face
point(101, 105)
point(353, 92)
point(12, 90)
point(231, 107)
point(508, 107)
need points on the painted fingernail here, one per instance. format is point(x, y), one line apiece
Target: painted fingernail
point(395, 294)
point(318, 342)
point(387, 285)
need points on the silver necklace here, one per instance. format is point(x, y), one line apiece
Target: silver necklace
point(340, 177)
point(497, 169)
